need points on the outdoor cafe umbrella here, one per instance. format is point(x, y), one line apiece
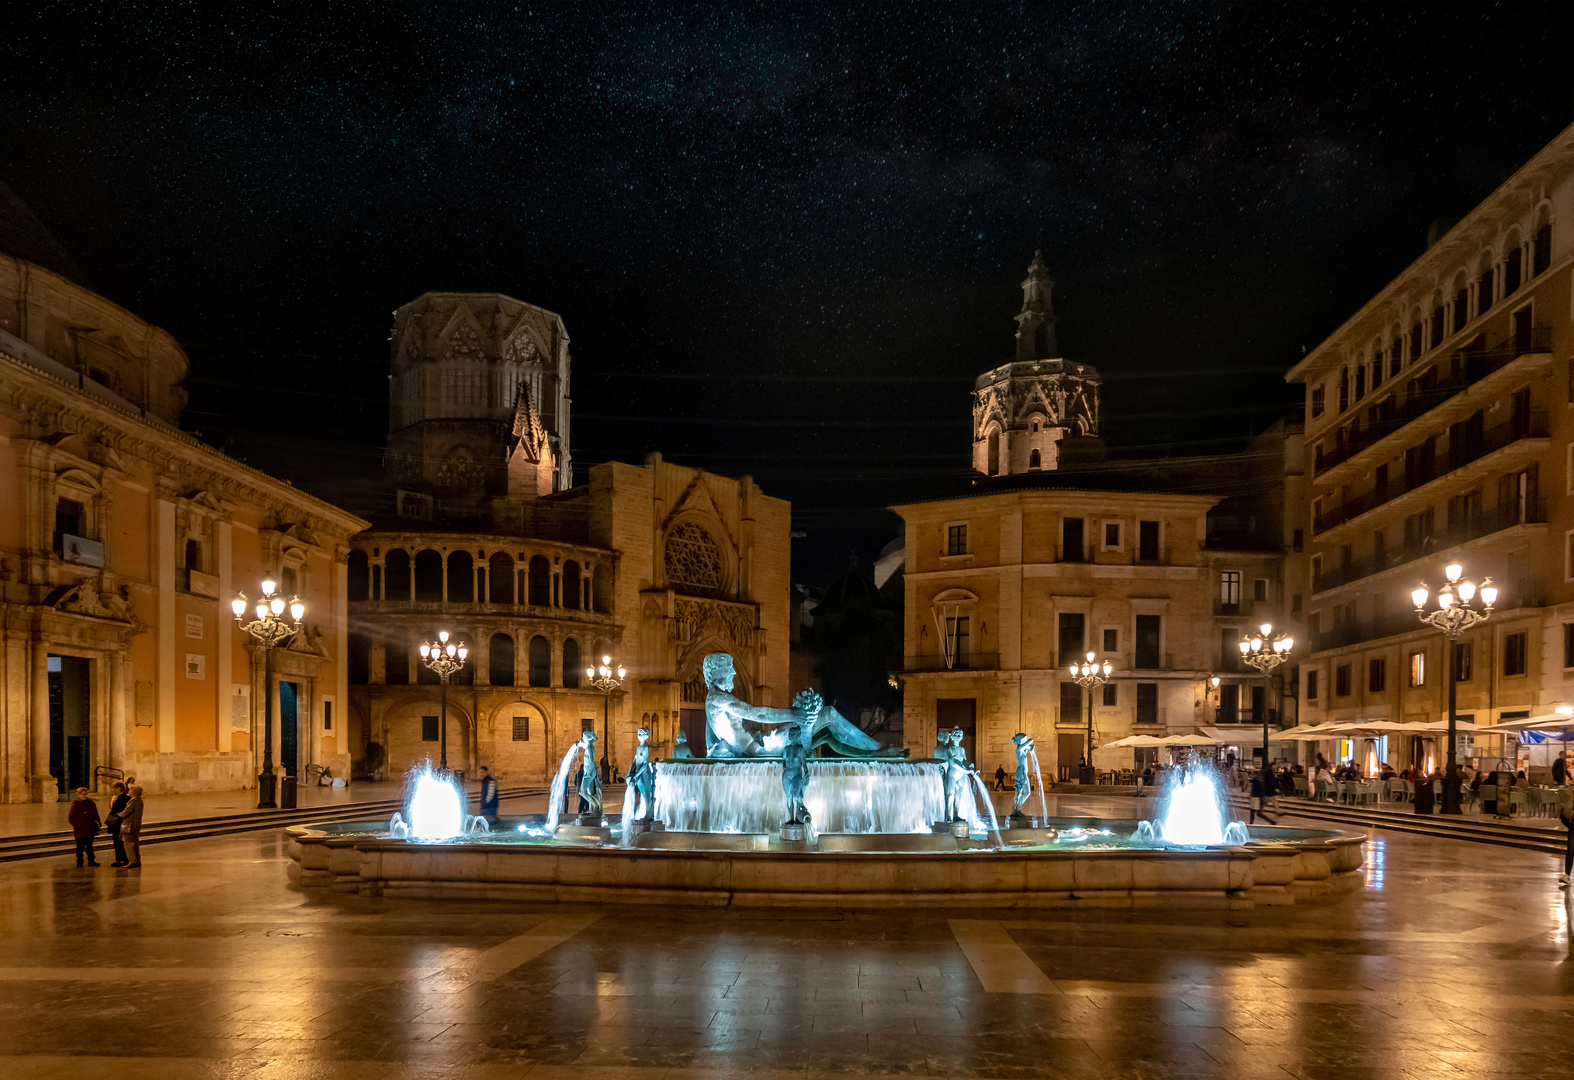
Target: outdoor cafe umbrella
point(1187, 740)
point(1132, 741)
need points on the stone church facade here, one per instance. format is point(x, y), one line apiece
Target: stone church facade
point(654, 565)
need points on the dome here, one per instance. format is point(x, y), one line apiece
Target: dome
point(23, 236)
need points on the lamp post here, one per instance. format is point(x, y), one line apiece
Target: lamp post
point(270, 630)
point(1090, 676)
point(444, 657)
point(1265, 652)
point(1455, 613)
point(602, 679)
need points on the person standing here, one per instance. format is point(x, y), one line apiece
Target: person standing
point(85, 824)
point(488, 796)
point(117, 807)
point(1566, 815)
point(131, 828)
point(1560, 770)
point(1000, 778)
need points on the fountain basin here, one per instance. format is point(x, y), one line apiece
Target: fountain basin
point(1280, 866)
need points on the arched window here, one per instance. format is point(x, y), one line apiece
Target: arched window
point(540, 581)
point(1513, 264)
point(360, 573)
point(396, 575)
point(500, 661)
point(692, 560)
point(540, 661)
point(1541, 246)
point(1034, 460)
point(461, 577)
point(500, 578)
point(994, 453)
point(428, 576)
point(601, 588)
point(571, 666)
point(571, 590)
point(1484, 284)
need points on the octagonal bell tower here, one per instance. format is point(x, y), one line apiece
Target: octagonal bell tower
point(1023, 411)
point(478, 400)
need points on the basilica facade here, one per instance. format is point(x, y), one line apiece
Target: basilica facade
point(481, 534)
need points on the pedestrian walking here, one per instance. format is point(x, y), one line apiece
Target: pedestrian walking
point(117, 807)
point(488, 796)
point(131, 829)
point(85, 824)
point(1000, 778)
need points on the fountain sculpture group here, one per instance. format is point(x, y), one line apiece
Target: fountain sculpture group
point(804, 783)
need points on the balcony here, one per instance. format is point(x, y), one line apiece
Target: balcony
point(1532, 426)
point(1495, 521)
point(81, 550)
point(932, 662)
point(1467, 367)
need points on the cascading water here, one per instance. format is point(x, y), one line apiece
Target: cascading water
point(559, 786)
point(629, 813)
point(989, 806)
point(842, 797)
point(1043, 797)
point(434, 808)
point(1192, 813)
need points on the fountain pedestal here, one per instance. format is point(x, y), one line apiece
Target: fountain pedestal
point(794, 830)
point(961, 829)
point(588, 821)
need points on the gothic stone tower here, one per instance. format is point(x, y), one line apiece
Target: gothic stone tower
point(478, 404)
point(1023, 410)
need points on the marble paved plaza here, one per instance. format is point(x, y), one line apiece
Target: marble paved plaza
point(1454, 961)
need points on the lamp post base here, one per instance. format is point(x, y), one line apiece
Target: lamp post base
point(1451, 800)
point(267, 791)
point(1085, 775)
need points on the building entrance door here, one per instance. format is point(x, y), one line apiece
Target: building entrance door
point(960, 713)
point(1069, 749)
point(289, 726)
point(70, 750)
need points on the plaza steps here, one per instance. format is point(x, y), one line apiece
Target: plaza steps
point(1475, 830)
point(44, 845)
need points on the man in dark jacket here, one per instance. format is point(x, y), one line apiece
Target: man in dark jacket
point(1560, 771)
point(488, 796)
point(117, 807)
point(85, 824)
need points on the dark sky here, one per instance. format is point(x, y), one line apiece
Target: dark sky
point(784, 238)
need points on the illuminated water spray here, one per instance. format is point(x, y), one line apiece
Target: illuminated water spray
point(434, 808)
point(1192, 812)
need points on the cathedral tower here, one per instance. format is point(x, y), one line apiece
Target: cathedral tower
point(1024, 410)
point(478, 403)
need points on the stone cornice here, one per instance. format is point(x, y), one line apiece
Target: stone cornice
point(38, 397)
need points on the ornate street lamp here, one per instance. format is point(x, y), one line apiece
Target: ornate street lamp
point(1455, 613)
point(1265, 652)
point(445, 658)
point(270, 630)
point(602, 679)
point(1090, 676)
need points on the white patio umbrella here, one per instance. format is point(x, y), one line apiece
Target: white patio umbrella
point(1187, 740)
point(1545, 722)
point(1133, 741)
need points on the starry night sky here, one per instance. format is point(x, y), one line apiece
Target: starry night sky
point(784, 238)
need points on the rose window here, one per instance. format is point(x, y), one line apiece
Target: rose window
point(693, 561)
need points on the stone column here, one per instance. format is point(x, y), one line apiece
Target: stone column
point(117, 708)
point(168, 668)
point(42, 782)
point(224, 644)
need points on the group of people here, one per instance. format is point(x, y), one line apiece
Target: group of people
point(124, 823)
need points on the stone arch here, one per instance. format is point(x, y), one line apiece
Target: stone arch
point(428, 576)
point(992, 452)
point(500, 578)
point(500, 659)
point(461, 577)
point(405, 746)
point(538, 583)
point(525, 757)
point(540, 661)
